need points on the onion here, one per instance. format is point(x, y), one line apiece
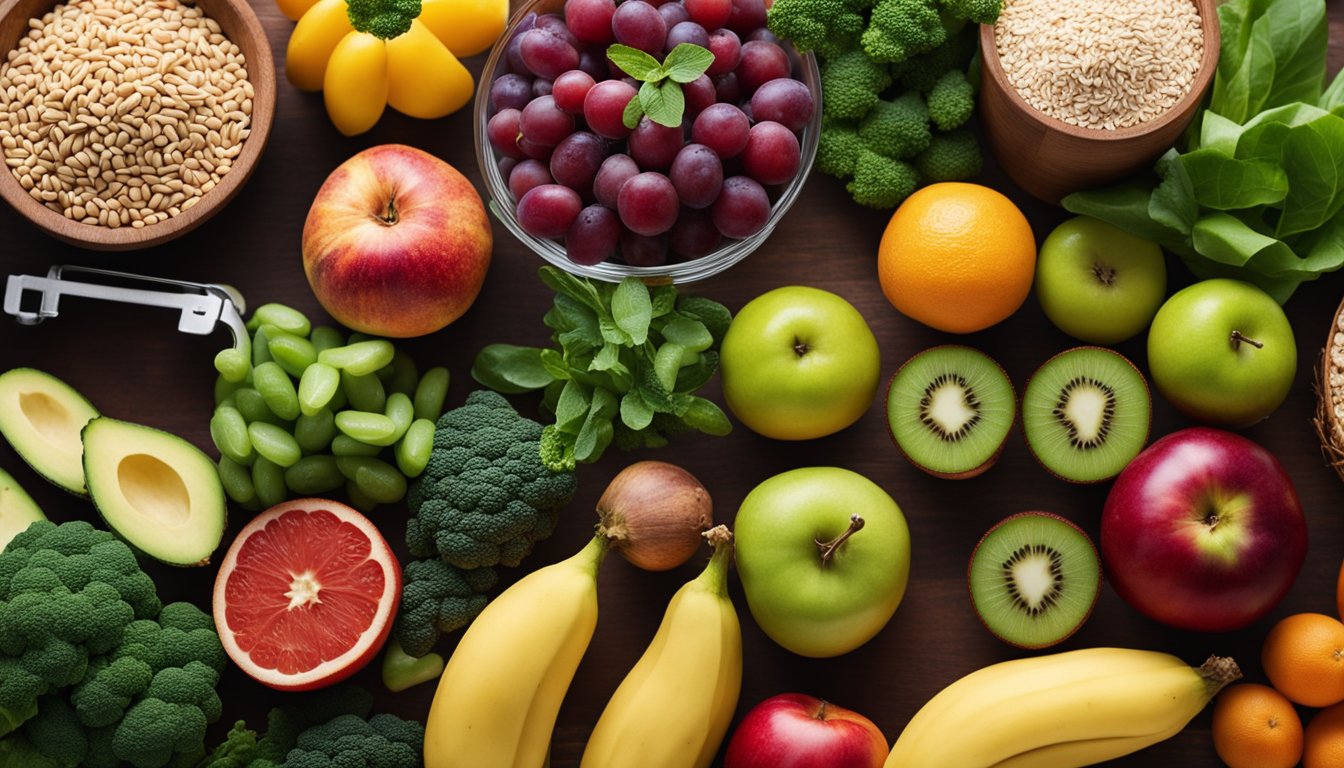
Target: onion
point(653, 513)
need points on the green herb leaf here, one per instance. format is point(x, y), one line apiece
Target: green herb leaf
point(714, 315)
point(1271, 54)
point(706, 416)
point(577, 288)
point(510, 369)
point(632, 309)
point(635, 413)
point(633, 111)
point(572, 407)
point(1333, 97)
point(1225, 239)
point(666, 363)
point(686, 62)
point(635, 63)
point(1173, 202)
point(609, 357)
point(697, 374)
point(664, 299)
point(1224, 183)
point(554, 363)
point(1313, 157)
point(613, 333)
point(1127, 206)
point(691, 334)
point(663, 102)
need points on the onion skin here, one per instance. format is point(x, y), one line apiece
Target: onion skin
point(654, 513)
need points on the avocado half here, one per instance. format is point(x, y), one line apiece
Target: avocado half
point(41, 416)
point(155, 490)
point(17, 509)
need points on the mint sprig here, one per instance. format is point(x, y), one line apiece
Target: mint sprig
point(660, 96)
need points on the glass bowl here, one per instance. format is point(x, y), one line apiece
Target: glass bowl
point(500, 200)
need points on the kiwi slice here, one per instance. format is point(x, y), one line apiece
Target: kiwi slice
point(1034, 578)
point(1086, 414)
point(950, 409)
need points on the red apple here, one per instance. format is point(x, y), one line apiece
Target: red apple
point(794, 730)
point(396, 243)
point(1203, 531)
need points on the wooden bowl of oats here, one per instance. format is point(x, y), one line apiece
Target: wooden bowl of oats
point(126, 123)
point(1079, 94)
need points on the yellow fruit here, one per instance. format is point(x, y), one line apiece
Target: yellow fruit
point(1303, 657)
point(957, 257)
point(1255, 726)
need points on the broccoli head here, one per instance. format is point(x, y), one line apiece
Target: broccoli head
point(952, 156)
point(899, 29)
point(898, 129)
point(437, 597)
point(838, 148)
point(383, 741)
point(826, 26)
point(881, 182)
point(951, 101)
point(385, 19)
point(485, 497)
point(850, 84)
point(977, 11)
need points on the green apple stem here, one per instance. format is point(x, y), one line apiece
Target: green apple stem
point(828, 548)
point(1238, 338)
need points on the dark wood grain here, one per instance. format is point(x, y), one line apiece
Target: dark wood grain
point(134, 365)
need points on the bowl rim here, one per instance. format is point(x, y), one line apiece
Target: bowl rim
point(1208, 65)
point(729, 252)
point(260, 72)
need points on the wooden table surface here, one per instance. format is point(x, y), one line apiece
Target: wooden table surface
point(133, 365)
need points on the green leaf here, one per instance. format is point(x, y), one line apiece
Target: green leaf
point(510, 369)
point(1173, 202)
point(605, 404)
point(664, 298)
point(691, 334)
point(633, 111)
point(572, 407)
point(593, 439)
point(714, 315)
point(651, 389)
point(569, 314)
point(705, 416)
point(608, 358)
point(635, 413)
point(686, 62)
point(663, 102)
point(1127, 206)
point(1263, 135)
point(554, 363)
point(1224, 183)
point(1219, 133)
point(577, 288)
point(694, 376)
point(632, 309)
point(667, 362)
point(1313, 157)
point(635, 63)
point(1226, 241)
point(1272, 53)
point(613, 333)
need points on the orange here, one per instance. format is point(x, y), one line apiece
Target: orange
point(1325, 739)
point(1303, 656)
point(1254, 726)
point(1339, 593)
point(957, 257)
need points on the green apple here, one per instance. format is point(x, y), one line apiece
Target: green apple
point(799, 363)
point(1222, 352)
point(1098, 283)
point(824, 557)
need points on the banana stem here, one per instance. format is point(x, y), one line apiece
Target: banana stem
point(1218, 671)
point(715, 576)
point(592, 554)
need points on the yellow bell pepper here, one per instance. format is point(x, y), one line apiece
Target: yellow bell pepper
point(365, 55)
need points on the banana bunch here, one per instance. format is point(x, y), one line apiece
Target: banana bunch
point(499, 695)
point(673, 708)
point(1059, 711)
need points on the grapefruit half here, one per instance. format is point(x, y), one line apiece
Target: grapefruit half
point(306, 595)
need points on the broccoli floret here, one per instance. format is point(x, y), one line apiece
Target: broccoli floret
point(557, 453)
point(109, 689)
point(880, 182)
point(922, 72)
point(17, 752)
point(978, 11)
point(850, 84)
point(899, 29)
point(383, 741)
point(838, 148)
point(485, 497)
point(826, 26)
point(238, 750)
point(67, 592)
point(898, 129)
point(951, 101)
point(284, 725)
point(437, 597)
point(951, 156)
point(57, 734)
point(382, 18)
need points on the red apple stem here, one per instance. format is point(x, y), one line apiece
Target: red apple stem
point(390, 216)
point(821, 710)
point(828, 548)
point(1238, 338)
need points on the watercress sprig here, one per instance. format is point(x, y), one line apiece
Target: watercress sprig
point(660, 95)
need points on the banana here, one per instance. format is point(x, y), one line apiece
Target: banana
point(1061, 710)
point(500, 692)
point(674, 707)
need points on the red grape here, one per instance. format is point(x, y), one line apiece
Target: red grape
point(506, 165)
point(686, 32)
point(699, 94)
point(710, 14)
point(647, 204)
point(642, 251)
point(544, 123)
point(673, 14)
point(639, 25)
point(510, 91)
point(534, 150)
point(694, 235)
point(541, 87)
point(526, 175)
point(604, 107)
point(785, 101)
point(547, 54)
point(723, 128)
point(727, 50)
point(771, 154)
point(761, 62)
point(653, 145)
point(697, 175)
point(611, 176)
point(570, 88)
point(593, 236)
point(576, 160)
point(555, 23)
point(548, 210)
point(726, 88)
point(590, 20)
point(594, 62)
point(502, 129)
point(746, 16)
point(742, 208)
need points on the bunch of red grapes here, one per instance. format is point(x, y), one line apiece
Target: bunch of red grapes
point(654, 194)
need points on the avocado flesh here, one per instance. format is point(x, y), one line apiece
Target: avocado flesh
point(41, 416)
point(155, 490)
point(17, 509)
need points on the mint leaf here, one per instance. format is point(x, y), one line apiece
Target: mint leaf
point(663, 103)
point(633, 111)
point(686, 62)
point(635, 62)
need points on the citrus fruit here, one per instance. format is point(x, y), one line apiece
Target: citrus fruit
point(1339, 593)
point(1255, 726)
point(1303, 656)
point(957, 257)
point(1325, 739)
point(306, 595)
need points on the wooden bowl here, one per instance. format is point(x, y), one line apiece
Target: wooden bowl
point(1050, 158)
point(240, 24)
point(1329, 425)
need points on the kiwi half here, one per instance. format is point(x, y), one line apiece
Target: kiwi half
point(1034, 578)
point(950, 409)
point(1086, 414)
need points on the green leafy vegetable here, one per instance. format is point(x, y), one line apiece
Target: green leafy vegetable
point(660, 95)
point(629, 359)
point(1257, 191)
point(384, 19)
